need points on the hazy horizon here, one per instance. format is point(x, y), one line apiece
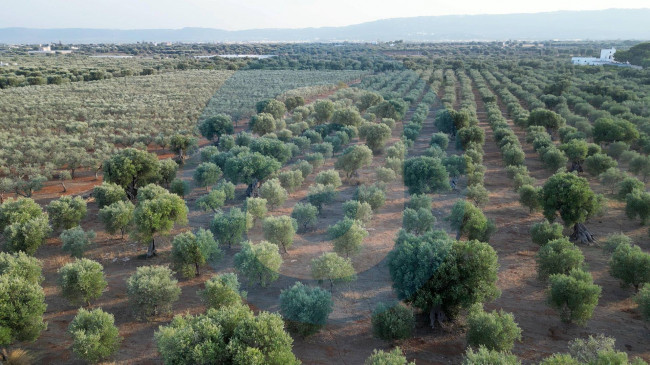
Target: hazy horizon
point(259, 14)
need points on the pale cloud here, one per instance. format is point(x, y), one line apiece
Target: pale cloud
point(248, 14)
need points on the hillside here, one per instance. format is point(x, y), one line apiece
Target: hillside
point(563, 25)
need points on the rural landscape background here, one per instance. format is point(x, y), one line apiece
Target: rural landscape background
point(439, 189)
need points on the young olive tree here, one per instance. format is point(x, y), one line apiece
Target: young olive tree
point(347, 236)
point(467, 219)
point(274, 193)
point(361, 211)
point(332, 268)
point(94, 335)
point(229, 228)
point(558, 256)
point(190, 251)
point(108, 193)
point(573, 295)
point(395, 357)
point(157, 215)
point(259, 263)
point(82, 281)
point(152, 290)
point(305, 308)
point(425, 175)
point(24, 225)
point(207, 174)
point(280, 230)
point(75, 241)
point(117, 217)
point(494, 330)
point(418, 221)
point(353, 158)
point(305, 215)
point(392, 321)
point(544, 232)
point(66, 212)
point(222, 291)
point(630, 265)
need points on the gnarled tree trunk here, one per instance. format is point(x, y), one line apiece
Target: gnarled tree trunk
point(152, 249)
point(436, 315)
point(581, 234)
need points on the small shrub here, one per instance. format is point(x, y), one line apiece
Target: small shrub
point(614, 240)
point(373, 194)
point(348, 235)
point(489, 357)
point(355, 209)
point(274, 193)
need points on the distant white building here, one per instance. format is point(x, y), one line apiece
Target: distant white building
point(606, 58)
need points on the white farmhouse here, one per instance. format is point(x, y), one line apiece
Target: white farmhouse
point(606, 58)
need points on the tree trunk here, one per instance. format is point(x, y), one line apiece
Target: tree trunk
point(581, 234)
point(576, 166)
point(196, 265)
point(436, 315)
point(152, 249)
point(64, 188)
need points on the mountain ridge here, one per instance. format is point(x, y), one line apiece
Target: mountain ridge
point(607, 24)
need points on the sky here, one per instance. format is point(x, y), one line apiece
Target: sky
point(255, 14)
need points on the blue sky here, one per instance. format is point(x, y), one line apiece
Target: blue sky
point(247, 14)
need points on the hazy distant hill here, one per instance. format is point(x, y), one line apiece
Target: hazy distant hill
point(564, 25)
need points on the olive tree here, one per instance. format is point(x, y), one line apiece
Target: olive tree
point(117, 217)
point(207, 174)
point(441, 276)
point(558, 256)
point(630, 265)
point(21, 265)
point(291, 180)
point(24, 225)
point(75, 241)
point(179, 187)
point(425, 175)
point(157, 215)
point(108, 193)
point(598, 163)
point(353, 158)
point(570, 196)
point(222, 291)
point(272, 106)
point(256, 207)
point(576, 151)
point(274, 193)
point(259, 263)
point(82, 281)
point(228, 335)
point(305, 308)
point(573, 295)
point(376, 135)
point(214, 127)
point(229, 228)
point(547, 119)
point(392, 321)
point(94, 335)
point(66, 212)
point(642, 299)
point(280, 230)
point(637, 204)
point(190, 251)
point(168, 170)
point(361, 211)
point(544, 232)
point(22, 304)
point(262, 123)
point(213, 200)
point(182, 145)
point(328, 177)
point(323, 110)
point(374, 195)
point(152, 291)
point(347, 236)
point(468, 219)
point(319, 194)
point(305, 215)
point(332, 268)
point(494, 330)
point(485, 356)
point(131, 169)
point(417, 221)
point(395, 357)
